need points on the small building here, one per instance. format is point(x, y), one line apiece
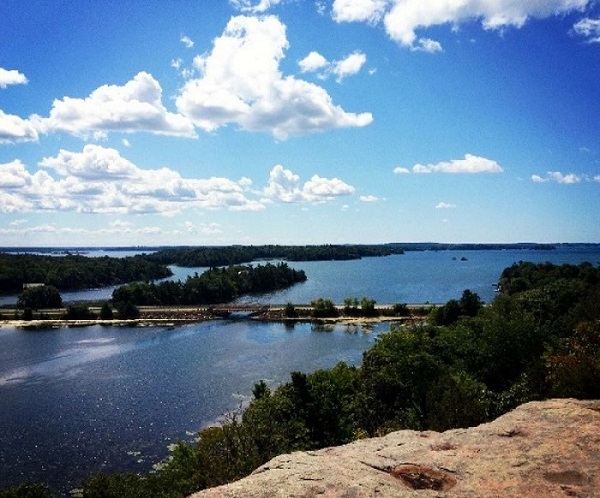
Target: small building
point(32, 284)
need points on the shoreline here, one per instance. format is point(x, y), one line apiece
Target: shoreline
point(172, 317)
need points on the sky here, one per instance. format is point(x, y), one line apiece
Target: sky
point(218, 122)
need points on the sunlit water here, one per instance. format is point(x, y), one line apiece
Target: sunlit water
point(76, 401)
point(80, 400)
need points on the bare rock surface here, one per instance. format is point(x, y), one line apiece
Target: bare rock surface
point(541, 449)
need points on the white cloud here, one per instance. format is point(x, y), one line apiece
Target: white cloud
point(241, 83)
point(187, 41)
point(368, 198)
point(428, 45)
point(588, 28)
point(401, 171)
point(470, 164)
point(11, 77)
point(284, 186)
point(370, 11)
point(255, 8)
point(558, 177)
point(126, 143)
point(402, 18)
point(136, 106)
point(597, 178)
point(99, 180)
point(313, 62)
point(445, 205)
point(349, 66)
point(15, 129)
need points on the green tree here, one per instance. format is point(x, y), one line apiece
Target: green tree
point(44, 296)
point(367, 307)
point(26, 491)
point(323, 308)
point(106, 312)
point(127, 310)
point(290, 311)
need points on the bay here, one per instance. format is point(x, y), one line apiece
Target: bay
point(76, 401)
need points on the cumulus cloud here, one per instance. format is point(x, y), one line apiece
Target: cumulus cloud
point(350, 65)
point(133, 107)
point(558, 177)
point(99, 180)
point(15, 129)
point(470, 164)
point(445, 205)
point(313, 62)
point(401, 171)
point(589, 29)
point(285, 186)
point(11, 77)
point(402, 18)
point(368, 198)
point(241, 83)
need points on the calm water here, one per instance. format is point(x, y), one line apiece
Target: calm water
point(79, 400)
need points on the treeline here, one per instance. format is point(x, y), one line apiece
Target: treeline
point(524, 275)
point(216, 285)
point(74, 272)
point(438, 246)
point(542, 341)
point(231, 255)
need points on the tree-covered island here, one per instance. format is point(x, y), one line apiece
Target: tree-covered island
point(216, 285)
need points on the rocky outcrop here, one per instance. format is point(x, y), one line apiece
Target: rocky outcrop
point(542, 449)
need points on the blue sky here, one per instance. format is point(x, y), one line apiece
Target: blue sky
point(210, 122)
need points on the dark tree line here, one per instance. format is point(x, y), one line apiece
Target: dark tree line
point(217, 285)
point(73, 272)
point(231, 255)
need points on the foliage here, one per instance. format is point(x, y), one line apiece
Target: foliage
point(79, 312)
point(73, 272)
point(324, 308)
point(127, 310)
point(232, 255)
point(26, 491)
point(290, 311)
point(106, 312)
point(216, 285)
point(468, 305)
point(43, 296)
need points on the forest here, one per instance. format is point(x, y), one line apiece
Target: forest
point(468, 364)
point(216, 285)
point(75, 272)
point(230, 255)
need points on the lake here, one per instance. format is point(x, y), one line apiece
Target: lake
point(80, 400)
point(413, 277)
